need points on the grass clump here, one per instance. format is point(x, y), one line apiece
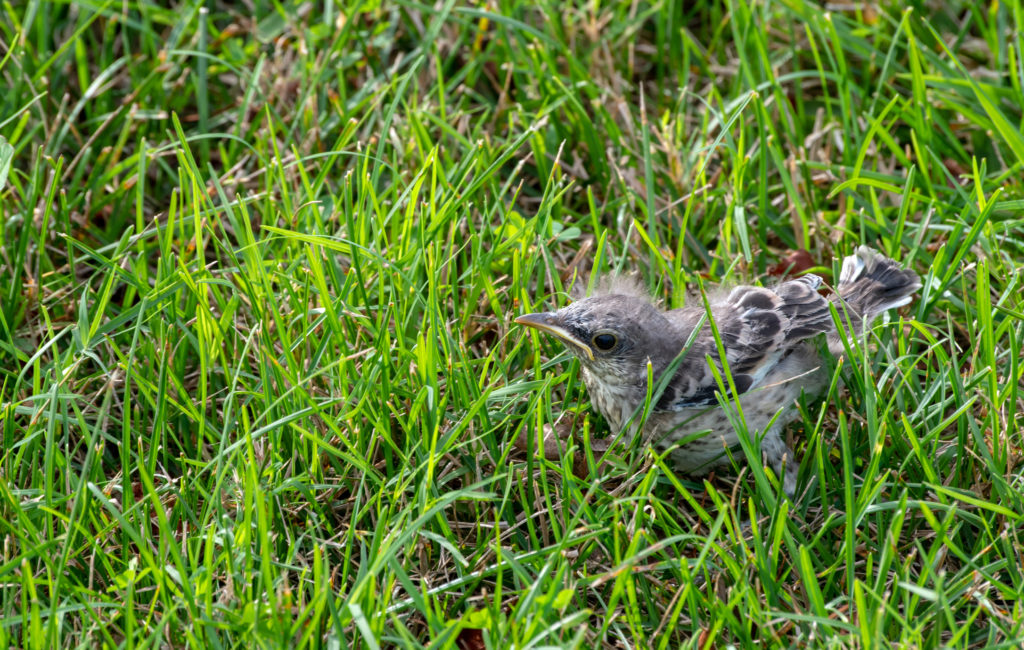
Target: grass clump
point(259, 383)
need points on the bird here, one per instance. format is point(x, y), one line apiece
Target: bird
point(767, 345)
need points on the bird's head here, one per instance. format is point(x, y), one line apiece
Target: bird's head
point(612, 335)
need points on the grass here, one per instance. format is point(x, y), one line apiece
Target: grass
point(259, 380)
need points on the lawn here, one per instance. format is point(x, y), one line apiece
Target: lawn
point(260, 384)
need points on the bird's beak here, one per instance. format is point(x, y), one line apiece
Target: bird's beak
point(548, 322)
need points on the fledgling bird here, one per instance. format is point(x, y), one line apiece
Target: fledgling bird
point(765, 336)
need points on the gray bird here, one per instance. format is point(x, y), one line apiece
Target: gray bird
point(765, 336)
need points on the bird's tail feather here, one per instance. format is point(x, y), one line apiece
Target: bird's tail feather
point(870, 283)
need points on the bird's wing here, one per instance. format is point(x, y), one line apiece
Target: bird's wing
point(758, 326)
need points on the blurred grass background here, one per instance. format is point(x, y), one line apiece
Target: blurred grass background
point(259, 384)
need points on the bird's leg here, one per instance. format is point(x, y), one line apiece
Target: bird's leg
point(778, 454)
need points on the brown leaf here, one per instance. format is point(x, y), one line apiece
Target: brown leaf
point(960, 172)
point(794, 263)
point(470, 638)
point(556, 438)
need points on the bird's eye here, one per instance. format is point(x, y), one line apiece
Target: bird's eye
point(605, 341)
